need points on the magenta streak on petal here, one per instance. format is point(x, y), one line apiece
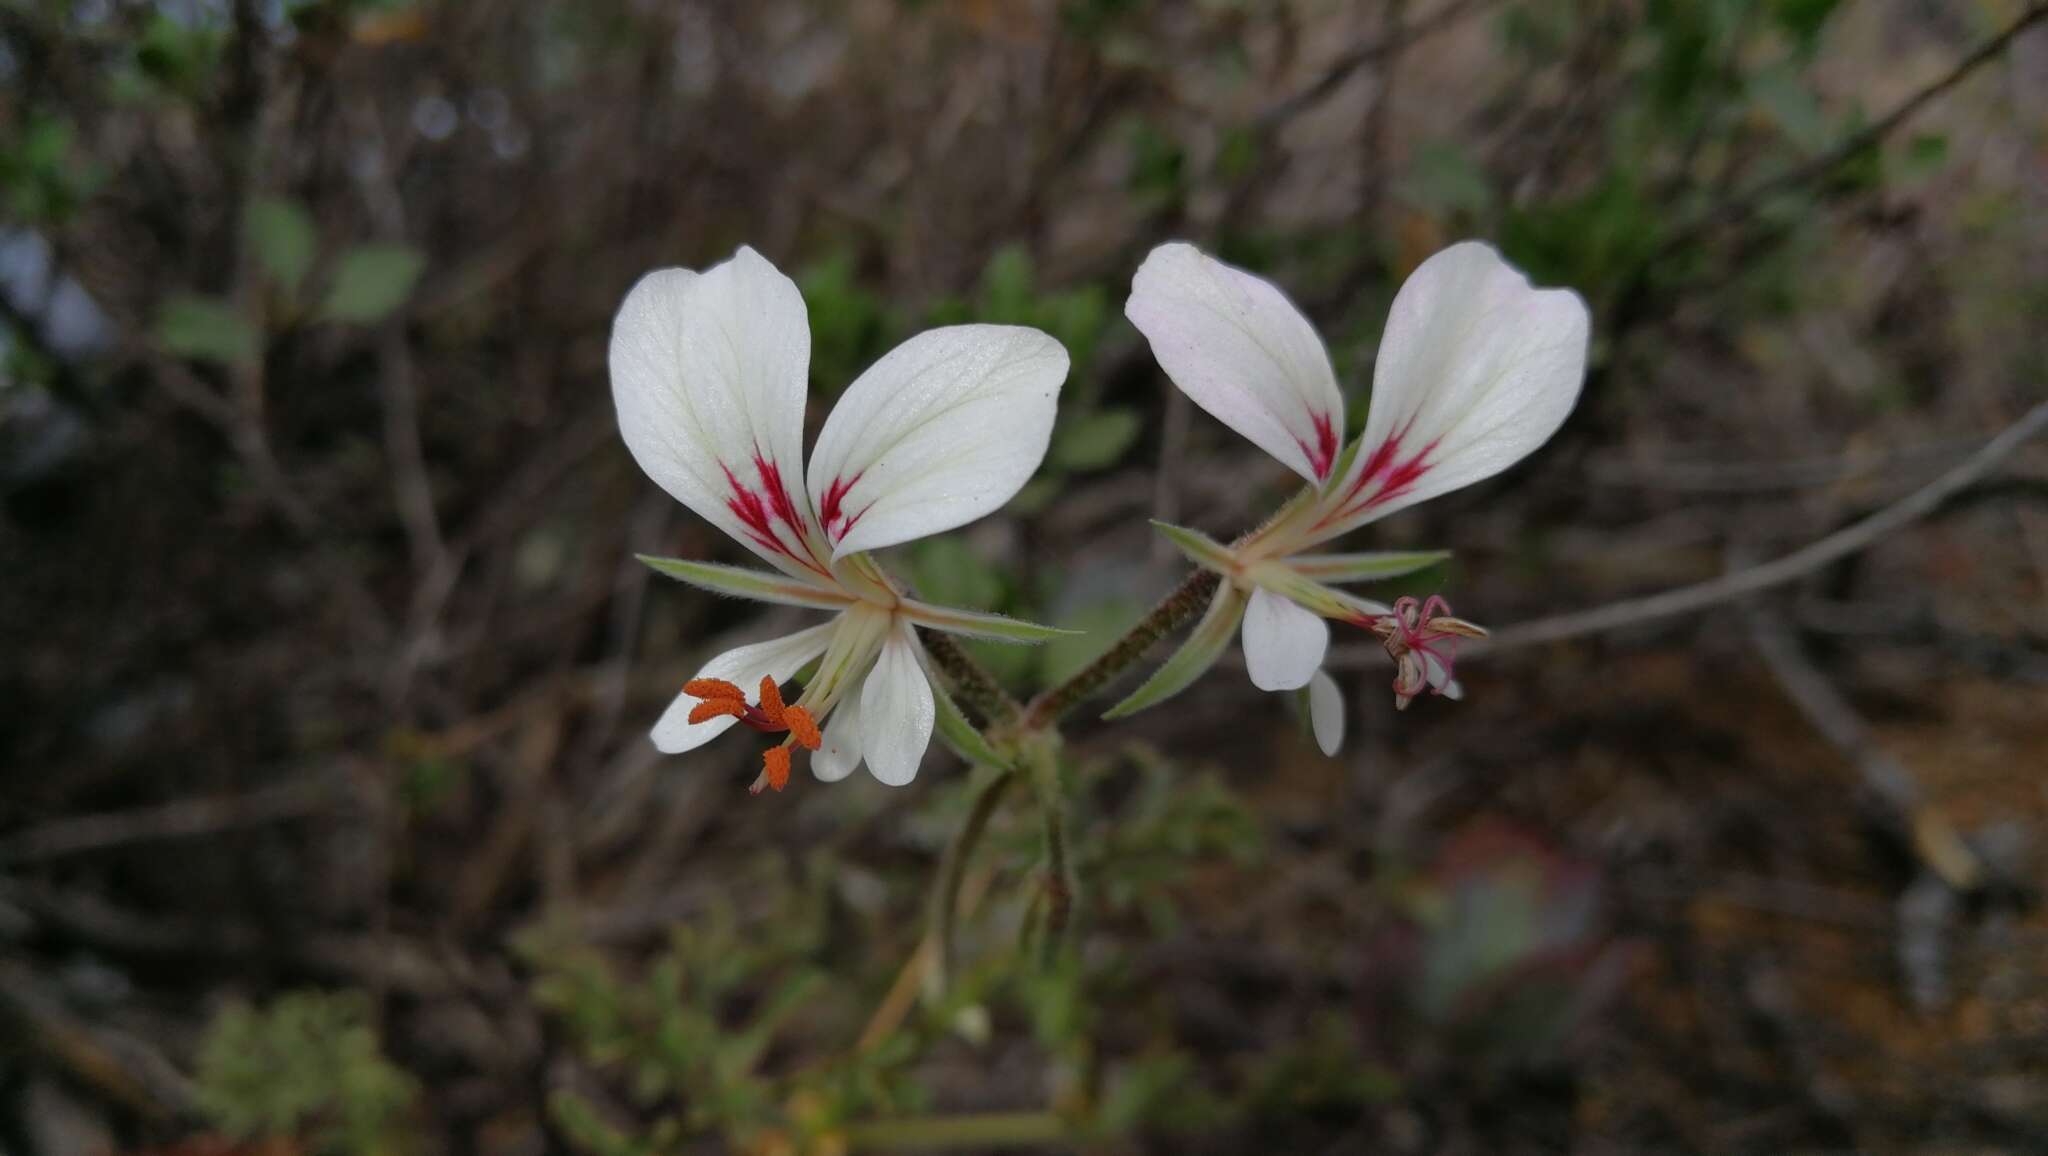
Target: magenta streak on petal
point(758, 510)
point(837, 520)
point(1323, 454)
point(1394, 475)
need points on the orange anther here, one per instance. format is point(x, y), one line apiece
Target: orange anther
point(713, 707)
point(802, 728)
point(713, 688)
point(775, 766)
point(771, 700)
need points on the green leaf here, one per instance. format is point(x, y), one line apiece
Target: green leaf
point(207, 328)
point(284, 239)
point(1090, 441)
point(371, 281)
point(1196, 655)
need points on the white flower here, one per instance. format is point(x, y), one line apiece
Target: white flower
point(708, 373)
point(1477, 368)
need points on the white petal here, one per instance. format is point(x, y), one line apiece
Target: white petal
point(1326, 712)
point(1434, 672)
point(1234, 343)
point(744, 667)
point(840, 753)
point(1477, 369)
point(896, 713)
point(708, 374)
point(943, 429)
point(1283, 644)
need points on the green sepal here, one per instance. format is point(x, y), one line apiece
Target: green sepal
point(1195, 656)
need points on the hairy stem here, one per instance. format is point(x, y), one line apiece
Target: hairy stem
point(1042, 763)
point(971, 680)
point(1173, 612)
point(945, 901)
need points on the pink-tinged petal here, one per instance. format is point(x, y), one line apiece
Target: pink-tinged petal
point(1283, 643)
point(1476, 370)
point(943, 429)
point(1234, 344)
point(708, 375)
point(1326, 712)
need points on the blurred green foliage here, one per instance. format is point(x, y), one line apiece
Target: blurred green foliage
point(305, 1067)
point(43, 174)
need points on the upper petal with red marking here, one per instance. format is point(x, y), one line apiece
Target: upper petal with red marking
point(708, 374)
point(943, 429)
point(1240, 349)
point(1477, 369)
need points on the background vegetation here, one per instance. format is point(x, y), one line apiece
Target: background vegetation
point(327, 819)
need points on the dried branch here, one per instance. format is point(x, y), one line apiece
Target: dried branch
point(183, 819)
point(1889, 779)
point(1743, 205)
point(1849, 540)
point(1365, 56)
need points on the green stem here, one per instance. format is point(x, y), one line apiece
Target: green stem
point(997, 1129)
point(1173, 612)
point(971, 681)
point(1041, 762)
point(945, 902)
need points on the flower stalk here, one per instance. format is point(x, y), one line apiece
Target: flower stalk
point(945, 898)
point(972, 683)
point(1172, 612)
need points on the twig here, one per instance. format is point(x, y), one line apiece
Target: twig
point(411, 490)
point(183, 819)
point(1173, 444)
point(119, 1068)
point(1378, 115)
point(945, 901)
point(1041, 757)
point(1754, 477)
point(1364, 56)
point(1933, 837)
point(1849, 540)
point(1744, 204)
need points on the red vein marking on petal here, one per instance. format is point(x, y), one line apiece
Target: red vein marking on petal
point(758, 511)
point(1323, 454)
point(833, 514)
point(1388, 473)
